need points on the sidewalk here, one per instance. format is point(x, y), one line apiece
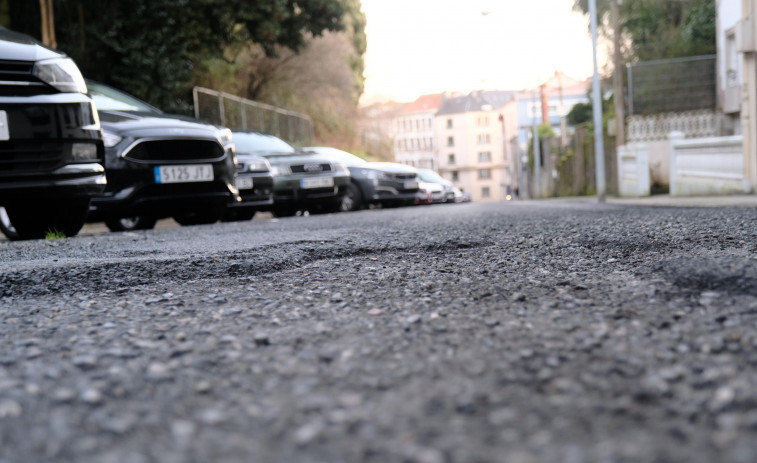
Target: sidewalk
point(674, 201)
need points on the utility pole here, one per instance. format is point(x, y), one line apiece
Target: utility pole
point(617, 78)
point(599, 148)
point(537, 152)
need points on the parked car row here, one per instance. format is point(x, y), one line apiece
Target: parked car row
point(74, 150)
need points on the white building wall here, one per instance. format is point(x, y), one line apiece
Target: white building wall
point(415, 140)
point(481, 159)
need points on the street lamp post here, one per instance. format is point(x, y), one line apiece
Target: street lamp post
point(599, 149)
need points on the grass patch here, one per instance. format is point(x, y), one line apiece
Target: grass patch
point(54, 234)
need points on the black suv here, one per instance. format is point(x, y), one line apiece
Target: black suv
point(160, 165)
point(51, 149)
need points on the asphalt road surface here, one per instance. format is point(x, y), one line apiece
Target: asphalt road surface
point(531, 332)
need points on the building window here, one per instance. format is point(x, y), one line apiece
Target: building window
point(449, 123)
point(450, 141)
point(455, 176)
point(451, 159)
point(484, 139)
point(484, 174)
point(485, 193)
point(485, 156)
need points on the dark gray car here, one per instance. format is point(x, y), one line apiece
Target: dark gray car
point(386, 184)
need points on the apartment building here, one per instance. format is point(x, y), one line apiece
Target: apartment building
point(474, 136)
point(414, 139)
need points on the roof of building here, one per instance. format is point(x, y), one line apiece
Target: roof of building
point(424, 103)
point(479, 100)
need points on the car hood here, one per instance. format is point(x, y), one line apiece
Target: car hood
point(389, 167)
point(21, 47)
point(143, 124)
point(294, 158)
point(432, 187)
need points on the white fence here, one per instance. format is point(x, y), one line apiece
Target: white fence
point(707, 166)
point(693, 124)
point(633, 170)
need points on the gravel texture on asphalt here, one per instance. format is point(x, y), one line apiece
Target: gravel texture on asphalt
point(528, 332)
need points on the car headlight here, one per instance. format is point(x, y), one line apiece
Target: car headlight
point(280, 170)
point(341, 168)
point(224, 136)
point(62, 74)
point(376, 174)
point(110, 139)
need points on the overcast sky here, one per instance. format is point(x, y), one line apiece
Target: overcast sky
point(430, 46)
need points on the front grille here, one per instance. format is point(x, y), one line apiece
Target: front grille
point(30, 156)
point(161, 151)
point(409, 176)
point(16, 79)
point(310, 168)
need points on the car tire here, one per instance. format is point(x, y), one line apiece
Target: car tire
point(284, 212)
point(238, 215)
point(204, 216)
point(138, 222)
point(32, 220)
point(352, 200)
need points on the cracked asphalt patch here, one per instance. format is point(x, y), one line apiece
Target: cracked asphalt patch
point(465, 333)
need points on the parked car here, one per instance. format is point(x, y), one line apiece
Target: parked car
point(461, 196)
point(160, 165)
point(430, 193)
point(301, 181)
point(448, 192)
point(255, 184)
point(387, 184)
point(51, 149)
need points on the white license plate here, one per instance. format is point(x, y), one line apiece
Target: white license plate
point(244, 183)
point(5, 133)
point(184, 173)
point(411, 185)
point(317, 182)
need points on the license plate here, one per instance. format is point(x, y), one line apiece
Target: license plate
point(184, 174)
point(411, 185)
point(244, 183)
point(317, 182)
point(5, 133)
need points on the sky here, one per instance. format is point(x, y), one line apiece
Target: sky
point(417, 47)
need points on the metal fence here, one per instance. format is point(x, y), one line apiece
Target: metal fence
point(238, 113)
point(671, 85)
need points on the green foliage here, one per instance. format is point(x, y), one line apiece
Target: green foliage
point(660, 29)
point(579, 114)
point(546, 131)
point(151, 47)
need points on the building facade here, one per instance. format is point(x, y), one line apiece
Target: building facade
point(413, 128)
point(474, 137)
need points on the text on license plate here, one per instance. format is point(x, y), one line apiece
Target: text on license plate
point(5, 133)
point(184, 173)
point(411, 185)
point(244, 183)
point(317, 182)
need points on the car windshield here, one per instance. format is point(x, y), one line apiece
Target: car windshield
point(261, 144)
point(110, 99)
point(348, 159)
point(430, 176)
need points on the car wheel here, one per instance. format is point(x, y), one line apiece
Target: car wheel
point(283, 212)
point(34, 221)
point(201, 216)
point(352, 200)
point(138, 222)
point(6, 226)
point(238, 215)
